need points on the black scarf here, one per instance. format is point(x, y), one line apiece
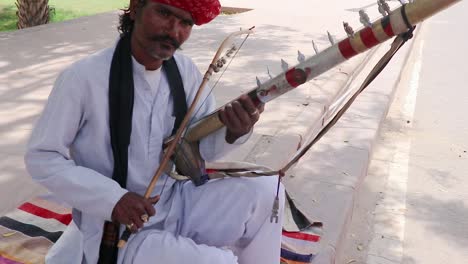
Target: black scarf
point(121, 97)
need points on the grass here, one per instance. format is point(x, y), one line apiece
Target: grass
point(64, 10)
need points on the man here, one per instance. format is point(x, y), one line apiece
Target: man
point(72, 153)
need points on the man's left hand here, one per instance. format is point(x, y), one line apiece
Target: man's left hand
point(239, 117)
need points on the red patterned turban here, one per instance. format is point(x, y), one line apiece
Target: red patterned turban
point(202, 11)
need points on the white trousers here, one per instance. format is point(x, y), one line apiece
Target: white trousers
point(223, 221)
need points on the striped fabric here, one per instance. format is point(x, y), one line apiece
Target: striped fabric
point(300, 247)
point(27, 233)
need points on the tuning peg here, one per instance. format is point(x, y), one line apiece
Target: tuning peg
point(259, 83)
point(364, 18)
point(215, 68)
point(219, 65)
point(381, 10)
point(330, 38)
point(348, 29)
point(300, 56)
point(268, 72)
point(284, 65)
point(315, 47)
point(231, 51)
point(384, 8)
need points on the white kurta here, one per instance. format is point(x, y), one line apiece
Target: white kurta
point(70, 153)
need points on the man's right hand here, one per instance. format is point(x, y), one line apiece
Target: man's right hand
point(130, 209)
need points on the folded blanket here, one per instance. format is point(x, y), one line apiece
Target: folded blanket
point(296, 246)
point(27, 233)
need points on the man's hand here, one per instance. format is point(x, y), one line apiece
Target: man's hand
point(130, 209)
point(239, 117)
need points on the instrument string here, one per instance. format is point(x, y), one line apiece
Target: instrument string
point(192, 118)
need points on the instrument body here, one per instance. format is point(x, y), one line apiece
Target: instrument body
point(397, 22)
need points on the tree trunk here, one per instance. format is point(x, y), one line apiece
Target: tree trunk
point(32, 13)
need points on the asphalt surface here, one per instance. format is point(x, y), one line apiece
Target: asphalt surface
point(413, 207)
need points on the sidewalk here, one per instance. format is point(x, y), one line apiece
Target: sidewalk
point(324, 181)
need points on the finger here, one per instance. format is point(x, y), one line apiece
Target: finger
point(133, 228)
point(123, 219)
point(242, 114)
point(144, 218)
point(137, 211)
point(154, 200)
point(140, 207)
point(261, 107)
point(248, 104)
point(255, 118)
point(232, 121)
point(253, 112)
point(128, 222)
point(149, 208)
point(222, 116)
point(136, 220)
point(252, 117)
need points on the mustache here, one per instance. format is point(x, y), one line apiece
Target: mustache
point(166, 38)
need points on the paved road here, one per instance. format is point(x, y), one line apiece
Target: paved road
point(413, 208)
point(437, 198)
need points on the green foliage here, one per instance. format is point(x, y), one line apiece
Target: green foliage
point(8, 18)
point(62, 10)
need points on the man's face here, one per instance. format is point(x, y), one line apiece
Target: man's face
point(160, 29)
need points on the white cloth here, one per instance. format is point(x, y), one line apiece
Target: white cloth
point(69, 151)
point(153, 78)
point(224, 221)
